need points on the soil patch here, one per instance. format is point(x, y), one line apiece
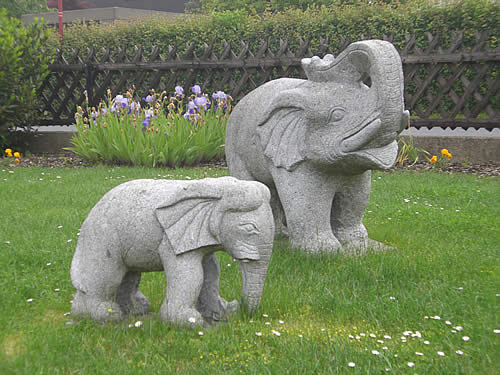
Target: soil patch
point(70, 160)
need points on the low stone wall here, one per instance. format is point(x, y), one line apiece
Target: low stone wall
point(470, 149)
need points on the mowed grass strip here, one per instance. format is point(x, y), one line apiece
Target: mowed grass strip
point(430, 306)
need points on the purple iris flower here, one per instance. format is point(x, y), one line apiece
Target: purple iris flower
point(196, 89)
point(134, 106)
point(219, 95)
point(179, 91)
point(202, 102)
point(148, 99)
point(121, 101)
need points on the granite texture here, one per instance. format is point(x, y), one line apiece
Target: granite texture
point(175, 227)
point(313, 142)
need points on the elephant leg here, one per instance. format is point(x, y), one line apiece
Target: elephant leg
point(97, 282)
point(348, 208)
point(129, 297)
point(184, 275)
point(280, 229)
point(211, 305)
point(307, 198)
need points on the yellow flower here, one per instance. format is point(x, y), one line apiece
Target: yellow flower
point(17, 160)
point(433, 159)
point(17, 155)
point(8, 151)
point(448, 155)
point(444, 152)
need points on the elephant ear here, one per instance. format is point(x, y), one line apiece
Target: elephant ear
point(186, 219)
point(282, 130)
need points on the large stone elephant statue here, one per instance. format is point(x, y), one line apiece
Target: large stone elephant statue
point(175, 227)
point(313, 142)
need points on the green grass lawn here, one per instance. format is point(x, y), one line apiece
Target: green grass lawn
point(318, 313)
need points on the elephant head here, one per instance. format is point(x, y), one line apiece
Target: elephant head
point(347, 114)
point(229, 212)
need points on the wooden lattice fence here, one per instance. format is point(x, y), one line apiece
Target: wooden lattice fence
point(447, 83)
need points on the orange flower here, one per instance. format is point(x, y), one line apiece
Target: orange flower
point(17, 160)
point(444, 152)
point(448, 155)
point(433, 159)
point(8, 151)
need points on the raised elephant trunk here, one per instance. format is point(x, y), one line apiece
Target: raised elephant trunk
point(377, 65)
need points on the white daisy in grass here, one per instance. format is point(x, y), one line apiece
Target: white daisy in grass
point(138, 324)
point(448, 323)
point(407, 333)
point(300, 335)
point(200, 333)
point(267, 323)
point(372, 335)
point(323, 330)
point(265, 315)
point(258, 334)
point(358, 337)
point(380, 341)
point(385, 348)
point(351, 336)
point(441, 354)
point(417, 334)
point(466, 338)
point(411, 364)
point(387, 337)
point(459, 352)
point(419, 354)
point(459, 328)
point(29, 300)
point(351, 364)
point(192, 320)
point(436, 317)
point(426, 342)
point(387, 369)
point(281, 321)
point(276, 333)
point(496, 331)
point(375, 352)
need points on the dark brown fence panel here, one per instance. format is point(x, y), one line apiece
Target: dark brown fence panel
point(448, 82)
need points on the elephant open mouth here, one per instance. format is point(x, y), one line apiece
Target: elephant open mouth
point(361, 144)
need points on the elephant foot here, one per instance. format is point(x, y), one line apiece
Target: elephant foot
point(96, 308)
point(137, 304)
point(318, 245)
point(182, 317)
point(363, 247)
point(231, 307)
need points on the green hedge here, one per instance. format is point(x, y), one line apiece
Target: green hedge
point(335, 22)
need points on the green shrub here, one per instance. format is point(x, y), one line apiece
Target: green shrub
point(17, 7)
point(170, 131)
point(23, 67)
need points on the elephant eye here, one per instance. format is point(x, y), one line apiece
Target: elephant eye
point(336, 114)
point(249, 227)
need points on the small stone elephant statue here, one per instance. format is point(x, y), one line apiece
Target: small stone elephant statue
point(176, 227)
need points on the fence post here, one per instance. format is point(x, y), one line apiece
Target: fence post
point(89, 83)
